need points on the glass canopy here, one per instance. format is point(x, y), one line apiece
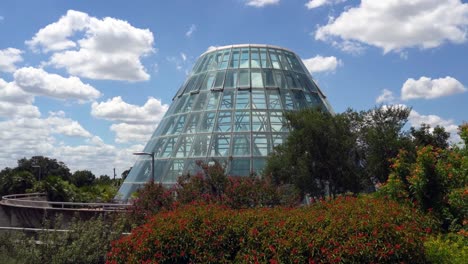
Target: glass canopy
point(231, 108)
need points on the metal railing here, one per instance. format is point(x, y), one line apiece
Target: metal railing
point(37, 200)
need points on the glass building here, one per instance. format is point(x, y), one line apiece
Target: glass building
point(231, 108)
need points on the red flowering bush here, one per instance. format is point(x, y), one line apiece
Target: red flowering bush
point(347, 229)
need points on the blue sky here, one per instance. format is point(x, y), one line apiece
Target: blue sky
point(86, 82)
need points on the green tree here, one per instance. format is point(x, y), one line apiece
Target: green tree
point(320, 155)
point(423, 136)
point(47, 166)
point(16, 182)
point(83, 178)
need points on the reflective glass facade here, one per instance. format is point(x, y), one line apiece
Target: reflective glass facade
point(230, 108)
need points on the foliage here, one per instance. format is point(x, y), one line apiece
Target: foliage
point(423, 136)
point(320, 155)
point(47, 167)
point(82, 178)
point(451, 248)
point(16, 182)
point(347, 229)
point(85, 242)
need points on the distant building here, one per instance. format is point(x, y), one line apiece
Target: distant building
point(230, 109)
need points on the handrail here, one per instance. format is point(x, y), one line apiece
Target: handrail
point(23, 201)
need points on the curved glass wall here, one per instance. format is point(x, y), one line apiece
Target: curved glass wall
point(231, 109)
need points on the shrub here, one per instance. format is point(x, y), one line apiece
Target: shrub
point(450, 248)
point(348, 229)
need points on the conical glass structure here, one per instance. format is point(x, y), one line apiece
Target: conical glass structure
point(231, 108)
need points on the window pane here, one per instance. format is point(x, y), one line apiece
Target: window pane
point(225, 60)
point(254, 59)
point(299, 100)
point(213, 101)
point(190, 101)
point(242, 121)
point(277, 121)
point(169, 126)
point(258, 99)
point(227, 100)
point(257, 80)
point(201, 145)
point(219, 80)
point(284, 62)
point(184, 147)
point(244, 61)
point(174, 171)
point(278, 139)
point(279, 79)
point(244, 78)
point(179, 125)
point(274, 59)
point(169, 147)
point(220, 145)
point(231, 79)
point(258, 165)
point(240, 167)
point(264, 59)
point(243, 100)
point(261, 145)
point(296, 65)
point(241, 145)
point(208, 82)
point(224, 122)
point(192, 123)
point(180, 104)
point(200, 102)
point(274, 100)
point(259, 121)
point(207, 122)
point(208, 62)
point(234, 63)
point(292, 82)
point(269, 79)
point(287, 100)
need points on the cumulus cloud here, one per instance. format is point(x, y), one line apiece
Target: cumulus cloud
point(191, 30)
point(111, 49)
point(318, 3)
point(15, 103)
point(39, 82)
point(261, 3)
point(136, 123)
point(8, 58)
point(385, 97)
point(420, 23)
point(416, 119)
point(322, 64)
point(428, 88)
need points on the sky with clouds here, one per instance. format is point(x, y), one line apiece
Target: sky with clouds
point(87, 82)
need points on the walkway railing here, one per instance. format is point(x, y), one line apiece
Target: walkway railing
point(38, 200)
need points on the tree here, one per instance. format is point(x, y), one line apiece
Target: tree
point(320, 155)
point(82, 178)
point(423, 136)
point(16, 182)
point(48, 167)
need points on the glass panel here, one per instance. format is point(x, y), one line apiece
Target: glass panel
point(257, 80)
point(277, 121)
point(261, 145)
point(259, 121)
point(241, 145)
point(231, 79)
point(299, 100)
point(284, 62)
point(244, 60)
point(273, 98)
point(264, 59)
point(158, 147)
point(277, 139)
point(201, 102)
point(287, 100)
point(254, 58)
point(208, 82)
point(174, 171)
point(296, 65)
point(208, 61)
point(274, 59)
point(192, 168)
point(202, 63)
point(218, 84)
point(197, 85)
point(225, 60)
point(240, 167)
point(242, 121)
point(292, 82)
point(179, 125)
point(220, 145)
point(279, 79)
point(228, 100)
point(234, 63)
point(190, 101)
point(169, 147)
point(207, 122)
point(224, 122)
point(259, 165)
point(269, 79)
point(310, 86)
point(313, 100)
point(180, 104)
point(201, 145)
point(213, 101)
point(183, 149)
point(258, 99)
point(244, 78)
point(192, 123)
point(169, 126)
point(243, 100)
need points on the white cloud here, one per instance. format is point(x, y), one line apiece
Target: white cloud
point(431, 88)
point(136, 122)
point(322, 64)
point(191, 30)
point(318, 3)
point(8, 58)
point(385, 97)
point(39, 82)
point(419, 23)
point(183, 56)
point(417, 120)
point(15, 103)
point(261, 3)
point(59, 124)
point(111, 48)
